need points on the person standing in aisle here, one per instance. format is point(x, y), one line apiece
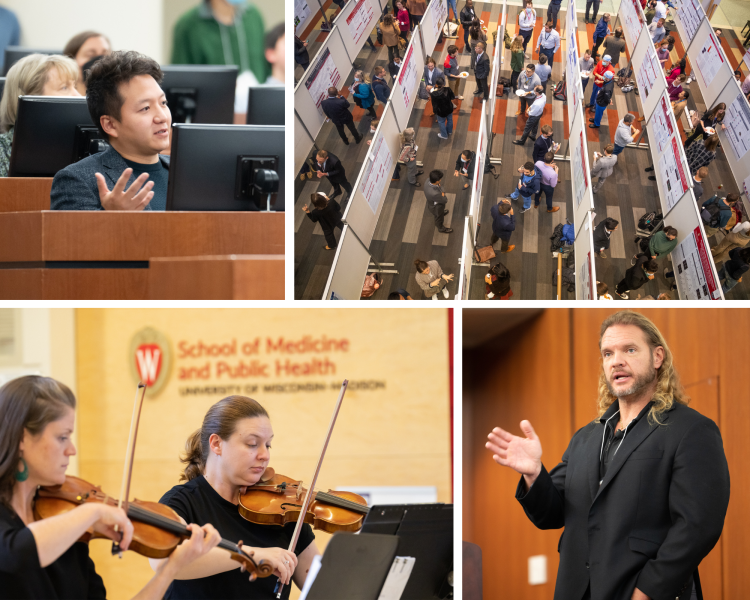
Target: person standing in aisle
point(637, 276)
point(586, 65)
point(535, 112)
point(482, 72)
point(409, 155)
point(528, 185)
point(601, 32)
point(614, 46)
point(330, 166)
point(527, 81)
point(465, 167)
point(552, 10)
point(526, 23)
point(603, 166)
point(598, 74)
point(603, 100)
point(548, 42)
point(436, 200)
point(336, 108)
point(467, 17)
point(602, 234)
point(451, 70)
point(589, 5)
point(442, 105)
point(549, 173)
point(431, 278)
point(624, 133)
point(327, 212)
point(503, 224)
point(543, 71)
point(543, 144)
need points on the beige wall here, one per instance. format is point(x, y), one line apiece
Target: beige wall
point(393, 436)
point(143, 25)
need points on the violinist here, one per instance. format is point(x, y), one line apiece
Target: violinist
point(227, 454)
point(44, 558)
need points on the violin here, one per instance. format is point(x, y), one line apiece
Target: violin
point(277, 500)
point(157, 529)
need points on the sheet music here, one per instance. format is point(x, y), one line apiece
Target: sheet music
point(397, 578)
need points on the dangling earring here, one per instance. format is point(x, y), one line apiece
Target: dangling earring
point(23, 475)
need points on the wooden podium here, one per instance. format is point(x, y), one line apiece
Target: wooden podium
point(98, 255)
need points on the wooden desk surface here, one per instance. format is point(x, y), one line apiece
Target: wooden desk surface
point(136, 236)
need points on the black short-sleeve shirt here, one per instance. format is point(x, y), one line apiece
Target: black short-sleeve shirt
point(70, 577)
point(197, 502)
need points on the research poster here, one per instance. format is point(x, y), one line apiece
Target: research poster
point(692, 268)
point(737, 122)
point(587, 292)
point(359, 20)
point(673, 175)
point(439, 15)
point(691, 14)
point(663, 123)
point(571, 81)
point(709, 60)
point(302, 13)
point(632, 20)
point(407, 77)
point(647, 74)
point(580, 175)
point(323, 75)
point(377, 174)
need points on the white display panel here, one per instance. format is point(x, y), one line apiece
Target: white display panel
point(690, 13)
point(302, 14)
point(694, 268)
point(431, 24)
point(371, 186)
point(330, 66)
point(356, 22)
point(648, 74)
point(711, 66)
point(467, 255)
point(303, 145)
point(476, 190)
point(348, 270)
point(496, 65)
point(740, 167)
point(573, 79)
point(633, 21)
point(737, 122)
point(585, 264)
point(580, 173)
point(407, 83)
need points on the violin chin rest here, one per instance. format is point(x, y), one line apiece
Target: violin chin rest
point(268, 474)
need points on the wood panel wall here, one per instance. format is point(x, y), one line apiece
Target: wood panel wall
point(547, 372)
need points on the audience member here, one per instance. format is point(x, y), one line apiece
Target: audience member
point(431, 73)
point(403, 18)
point(363, 91)
point(275, 55)
point(662, 52)
point(33, 75)
point(10, 33)
point(603, 166)
point(130, 109)
point(391, 33)
point(431, 278)
point(624, 133)
point(330, 166)
point(528, 185)
point(451, 70)
point(83, 48)
point(394, 67)
point(586, 65)
point(409, 155)
point(615, 45)
point(465, 166)
point(589, 5)
point(543, 71)
point(442, 106)
point(549, 173)
point(548, 42)
point(674, 87)
point(535, 112)
point(476, 34)
point(301, 55)
point(602, 233)
point(657, 31)
point(658, 245)
point(482, 72)
point(603, 100)
point(637, 276)
point(516, 61)
point(552, 10)
point(543, 144)
point(379, 85)
point(327, 212)
point(336, 108)
point(679, 105)
point(598, 73)
point(467, 17)
point(503, 224)
point(602, 291)
point(601, 31)
point(416, 9)
point(527, 81)
point(436, 200)
point(711, 118)
point(746, 85)
point(400, 294)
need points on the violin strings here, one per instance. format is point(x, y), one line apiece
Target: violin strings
point(343, 502)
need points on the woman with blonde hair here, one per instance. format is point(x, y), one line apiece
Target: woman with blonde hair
point(516, 60)
point(362, 89)
point(33, 75)
point(231, 451)
point(409, 155)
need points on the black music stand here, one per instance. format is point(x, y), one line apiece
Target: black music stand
point(354, 567)
point(425, 531)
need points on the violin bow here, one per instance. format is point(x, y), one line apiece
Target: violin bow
point(127, 471)
point(311, 487)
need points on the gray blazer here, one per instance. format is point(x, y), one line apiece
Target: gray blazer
point(74, 188)
point(603, 167)
point(435, 74)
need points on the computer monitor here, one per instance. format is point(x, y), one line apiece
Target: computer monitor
point(200, 94)
point(216, 167)
point(52, 132)
point(2, 86)
point(15, 53)
point(265, 106)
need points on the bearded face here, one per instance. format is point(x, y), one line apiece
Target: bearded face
point(627, 360)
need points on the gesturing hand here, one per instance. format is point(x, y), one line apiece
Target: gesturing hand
point(134, 198)
point(523, 455)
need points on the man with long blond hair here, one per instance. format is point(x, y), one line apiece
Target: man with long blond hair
point(642, 491)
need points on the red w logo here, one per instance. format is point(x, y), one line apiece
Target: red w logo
point(148, 362)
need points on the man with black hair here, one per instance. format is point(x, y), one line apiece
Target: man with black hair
point(528, 185)
point(535, 112)
point(336, 108)
point(716, 212)
point(130, 109)
point(275, 55)
point(400, 294)
point(436, 200)
point(602, 232)
point(503, 224)
point(330, 166)
point(637, 276)
point(660, 244)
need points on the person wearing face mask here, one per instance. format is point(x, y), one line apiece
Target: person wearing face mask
point(526, 23)
point(637, 276)
point(361, 89)
point(130, 109)
point(84, 48)
point(224, 32)
point(229, 452)
point(33, 75)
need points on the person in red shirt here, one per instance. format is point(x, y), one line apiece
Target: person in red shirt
point(404, 21)
point(598, 76)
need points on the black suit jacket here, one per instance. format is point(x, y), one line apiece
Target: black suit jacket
point(337, 109)
point(541, 147)
point(482, 68)
point(656, 514)
point(334, 169)
point(601, 239)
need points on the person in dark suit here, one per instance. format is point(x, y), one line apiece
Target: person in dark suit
point(330, 166)
point(327, 212)
point(602, 233)
point(465, 166)
point(431, 73)
point(642, 491)
point(482, 70)
point(301, 56)
point(543, 144)
point(394, 67)
point(117, 178)
point(637, 276)
point(336, 108)
point(503, 224)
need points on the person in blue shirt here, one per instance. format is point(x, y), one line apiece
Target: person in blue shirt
point(535, 111)
point(602, 30)
point(363, 91)
point(379, 85)
point(528, 185)
point(503, 224)
point(552, 10)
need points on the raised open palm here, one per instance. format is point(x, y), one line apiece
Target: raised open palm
point(523, 455)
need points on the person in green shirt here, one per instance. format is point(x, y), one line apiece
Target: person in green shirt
point(661, 244)
point(222, 32)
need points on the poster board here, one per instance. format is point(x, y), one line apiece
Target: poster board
point(580, 172)
point(695, 272)
point(687, 18)
point(302, 15)
point(496, 65)
point(710, 66)
point(303, 145)
point(481, 155)
point(633, 21)
point(648, 74)
point(349, 268)
point(467, 257)
point(371, 186)
point(355, 23)
point(585, 263)
point(329, 67)
point(431, 24)
point(409, 76)
point(670, 164)
point(736, 139)
point(573, 79)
